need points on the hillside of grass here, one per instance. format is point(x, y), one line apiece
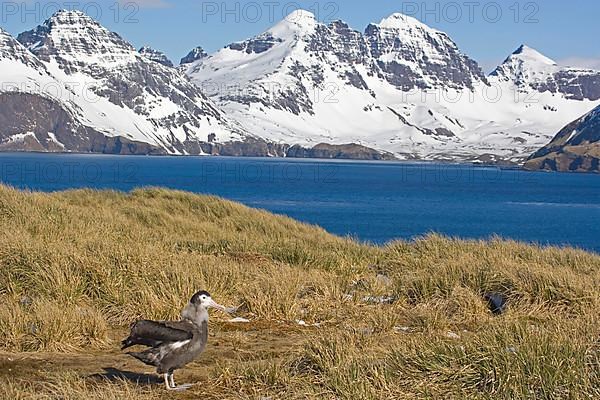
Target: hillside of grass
point(77, 267)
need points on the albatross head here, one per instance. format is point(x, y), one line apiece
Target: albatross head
point(202, 300)
point(197, 309)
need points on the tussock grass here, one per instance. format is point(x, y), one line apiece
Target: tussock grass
point(49, 326)
point(76, 265)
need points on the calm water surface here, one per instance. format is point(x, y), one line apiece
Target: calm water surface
point(372, 201)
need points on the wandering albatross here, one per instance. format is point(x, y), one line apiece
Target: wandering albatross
point(174, 344)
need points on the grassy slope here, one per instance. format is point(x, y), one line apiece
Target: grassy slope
point(77, 267)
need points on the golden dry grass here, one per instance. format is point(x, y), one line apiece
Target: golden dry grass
point(77, 267)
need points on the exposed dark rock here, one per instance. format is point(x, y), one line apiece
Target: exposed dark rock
point(457, 70)
point(344, 151)
point(156, 56)
point(257, 45)
point(249, 148)
point(126, 78)
point(196, 54)
point(573, 83)
point(576, 148)
point(295, 99)
point(355, 79)
point(31, 122)
point(575, 159)
point(402, 76)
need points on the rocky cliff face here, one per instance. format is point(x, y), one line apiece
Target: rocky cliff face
point(72, 85)
point(146, 100)
point(340, 152)
point(195, 54)
point(576, 148)
point(412, 55)
point(530, 70)
point(156, 56)
point(31, 122)
point(399, 86)
point(298, 51)
point(36, 113)
point(12, 51)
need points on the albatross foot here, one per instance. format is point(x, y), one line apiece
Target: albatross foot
point(181, 388)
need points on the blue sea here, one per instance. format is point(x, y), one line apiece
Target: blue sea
point(371, 201)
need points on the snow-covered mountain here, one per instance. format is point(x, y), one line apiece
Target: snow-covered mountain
point(400, 86)
point(195, 54)
point(120, 93)
point(530, 70)
point(37, 111)
point(575, 148)
point(412, 55)
point(156, 56)
point(526, 67)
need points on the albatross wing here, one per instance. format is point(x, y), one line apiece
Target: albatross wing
point(153, 333)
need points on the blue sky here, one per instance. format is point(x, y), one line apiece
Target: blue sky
point(486, 30)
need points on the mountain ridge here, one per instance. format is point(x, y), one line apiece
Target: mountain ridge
point(278, 83)
point(399, 87)
point(135, 97)
point(529, 69)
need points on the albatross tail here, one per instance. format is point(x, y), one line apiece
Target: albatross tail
point(148, 357)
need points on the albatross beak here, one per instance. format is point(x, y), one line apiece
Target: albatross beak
point(214, 304)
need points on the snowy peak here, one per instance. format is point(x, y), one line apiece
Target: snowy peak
point(194, 55)
point(414, 55)
point(401, 50)
point(529, 70)
point(156, 56)
point(532, 56)
point(72, 18)
point(38, 111)
point(525, 65)
point(137, 98)
point(73, 37)
point(78, 44)
point(301, 19)
point(283, 66)
point(293, 29)
point(12, 50)
point(400, 21)
point(297, 24)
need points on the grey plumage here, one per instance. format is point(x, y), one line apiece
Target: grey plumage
point(152, 333)
point(497, 302)
point(173, 344)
